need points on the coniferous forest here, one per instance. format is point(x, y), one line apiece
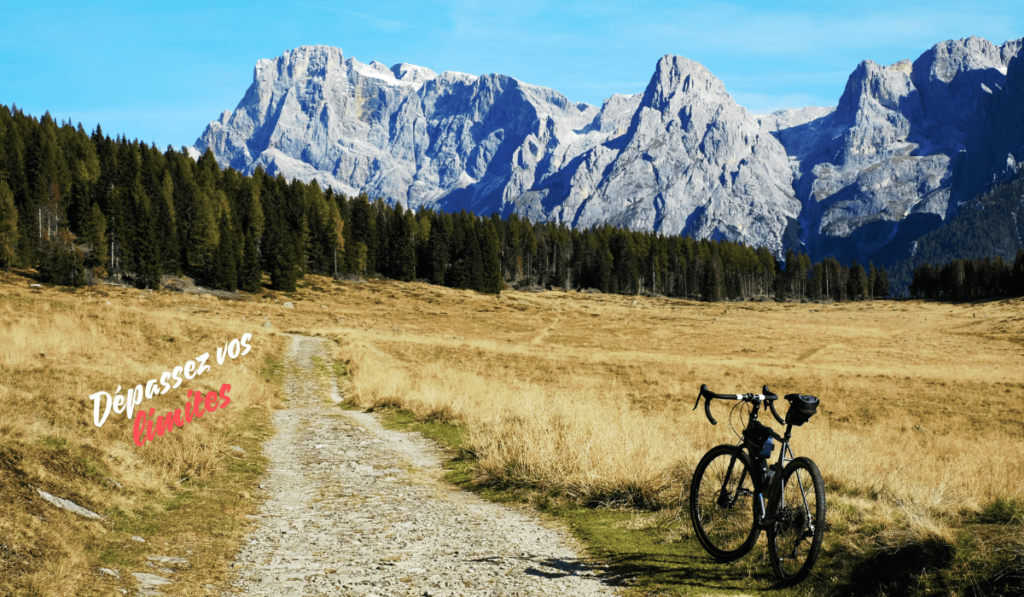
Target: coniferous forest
point(81, 207)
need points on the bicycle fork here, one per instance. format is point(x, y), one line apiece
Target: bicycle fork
point(728, 501)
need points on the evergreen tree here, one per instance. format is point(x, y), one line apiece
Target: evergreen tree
point(338, 242)
point(421, 233)
point(467, 264)
point(924, 284)
point(491, 280)
point(168, 245)
point(881, 289)
point(250, 277)
point(627, 270)
point(872, 280)
point(358, 258)
point(319, 248)
point(1018, 274)
point(8, 227)
point(196, 217)
point(437, 247)
point(363, 224)
point(284, 275)
point(249, 205)
point(713, 279)
point(402, 247)
point(60, 260)
point(225, 269)
point(857, 283)
point(95, 235)
point(348, 243)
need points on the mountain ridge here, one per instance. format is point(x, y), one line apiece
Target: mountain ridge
point(861, 180)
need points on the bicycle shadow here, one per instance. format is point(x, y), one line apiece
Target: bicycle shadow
point(686, 568)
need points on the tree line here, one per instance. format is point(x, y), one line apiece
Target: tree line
point(986, 226)
point(970, 279)
point(80, 206)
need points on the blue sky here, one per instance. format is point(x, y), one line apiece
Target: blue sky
point(160, 71)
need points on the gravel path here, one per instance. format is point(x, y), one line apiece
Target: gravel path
point(355, 509)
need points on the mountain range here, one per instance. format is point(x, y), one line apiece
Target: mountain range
point(905, 146)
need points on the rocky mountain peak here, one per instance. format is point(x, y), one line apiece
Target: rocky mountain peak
point(860, 181)
point(678, 80)
point(410, 73)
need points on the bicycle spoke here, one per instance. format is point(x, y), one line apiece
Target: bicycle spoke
point(799, 510)
point(722, 504)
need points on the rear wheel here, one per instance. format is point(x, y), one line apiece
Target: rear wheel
point(798, 527)
point(722, 503)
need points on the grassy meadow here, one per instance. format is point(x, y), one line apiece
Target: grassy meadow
point(185, 493)
point(586, 399)
point(570, 400)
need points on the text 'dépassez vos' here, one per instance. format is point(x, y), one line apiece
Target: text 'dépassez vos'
point(146, 427)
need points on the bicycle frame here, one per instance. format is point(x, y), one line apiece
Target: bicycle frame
point(775, 487)
point(762, 493)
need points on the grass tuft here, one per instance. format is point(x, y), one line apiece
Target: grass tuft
point(1003, 510)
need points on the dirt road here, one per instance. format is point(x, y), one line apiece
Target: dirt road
point(355, 509)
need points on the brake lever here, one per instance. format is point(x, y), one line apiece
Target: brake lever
point(771, 404)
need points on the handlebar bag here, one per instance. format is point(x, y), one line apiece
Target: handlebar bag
point(801, 408)
point(758, 439)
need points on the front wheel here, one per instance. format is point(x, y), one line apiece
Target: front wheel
point(722, 503)
point(796, 521)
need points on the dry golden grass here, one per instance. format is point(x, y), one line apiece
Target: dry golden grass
point(57, 347)
point(589, 395)
point(922, 403)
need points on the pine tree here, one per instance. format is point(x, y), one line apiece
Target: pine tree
point(8, 226)
point(60, 260)
point(168, 244)
point(421, 233)
point(437, 246)
point(491, 277)
point(881, 289)
point(1018, 274)
point(225, 274)
point(857, 282)
point(713, 275)
point(250, 277)
point(136, 222)
point(402, 247)
point(95, 235)
point(358, 258)
point(363, 222)
point(16, 180)
point(382, 214)
point(319, 252)
point(467, 263)
point(196, 217)
point(285, 275)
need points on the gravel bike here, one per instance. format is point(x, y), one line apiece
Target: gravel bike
point(735, 493)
